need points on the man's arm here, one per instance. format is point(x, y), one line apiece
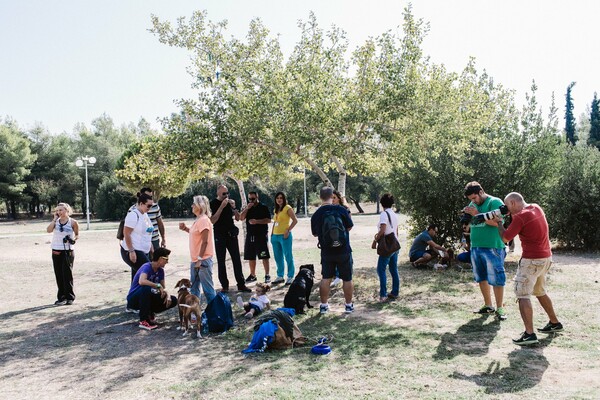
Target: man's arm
point(161, 230)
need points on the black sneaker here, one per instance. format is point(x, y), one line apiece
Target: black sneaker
point(60, 302)
point(526, 339)
point(244, 289)
point(551, 328)
point(251, 278)
point(485, 310)
point(267, 278)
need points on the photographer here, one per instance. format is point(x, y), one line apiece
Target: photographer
point(66, 232)
point(529, 222)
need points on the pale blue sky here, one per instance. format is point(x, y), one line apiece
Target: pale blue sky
point(65, 62)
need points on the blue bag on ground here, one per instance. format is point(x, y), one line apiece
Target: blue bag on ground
point(218, 313)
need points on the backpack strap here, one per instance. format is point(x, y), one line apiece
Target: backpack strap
point(390, 219)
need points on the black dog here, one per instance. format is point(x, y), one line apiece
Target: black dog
point(300, 289)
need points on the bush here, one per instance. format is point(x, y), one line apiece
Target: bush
point(112, 200)
point(573, 207)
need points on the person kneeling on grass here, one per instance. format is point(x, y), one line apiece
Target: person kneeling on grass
point(147, 292)
point(424, 249)
point(258, 302)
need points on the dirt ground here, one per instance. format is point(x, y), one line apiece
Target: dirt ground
point(93, 349)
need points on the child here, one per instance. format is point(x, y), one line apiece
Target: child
point(257, 302)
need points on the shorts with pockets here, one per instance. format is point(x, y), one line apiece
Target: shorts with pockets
point(531, 277)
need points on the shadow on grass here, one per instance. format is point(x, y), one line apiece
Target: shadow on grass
point(526, 367)
point(472, 338)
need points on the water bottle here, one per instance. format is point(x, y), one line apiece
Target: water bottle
point(204, 321)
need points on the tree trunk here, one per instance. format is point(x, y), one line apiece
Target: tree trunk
point(357, 204)
point(342, 178)
point(298, 205)
point(13, 209)
point(319, 172)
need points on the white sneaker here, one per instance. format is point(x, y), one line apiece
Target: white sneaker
point(336, 282)
point(289, 281)
point(240, 302)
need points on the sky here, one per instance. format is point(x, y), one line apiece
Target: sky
point(69, 61)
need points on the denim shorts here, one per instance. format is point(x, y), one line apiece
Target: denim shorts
point(488, 265)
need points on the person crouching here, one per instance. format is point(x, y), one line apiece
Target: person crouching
point(147, 292)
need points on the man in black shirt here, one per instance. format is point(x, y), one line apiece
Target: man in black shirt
point(226, 238)
point(258, 218)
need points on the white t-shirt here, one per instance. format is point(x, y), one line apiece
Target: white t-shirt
point(141, 236)
point(383, 219)
point(260, 301)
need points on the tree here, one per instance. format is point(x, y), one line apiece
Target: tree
point(147, 163)
point(253, 105)
point(594, 137)
point(570, 129)
point(15, 164)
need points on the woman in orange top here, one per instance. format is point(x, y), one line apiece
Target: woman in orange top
point(201, 249)
point(281, 238)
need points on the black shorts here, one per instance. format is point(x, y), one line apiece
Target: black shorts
point(343, 262)
point(257, 246)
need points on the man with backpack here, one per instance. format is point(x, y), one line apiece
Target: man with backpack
point(331, 224)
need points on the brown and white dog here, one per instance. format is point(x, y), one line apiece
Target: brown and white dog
point(189, 305)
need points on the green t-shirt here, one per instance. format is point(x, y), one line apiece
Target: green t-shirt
point(482, 234)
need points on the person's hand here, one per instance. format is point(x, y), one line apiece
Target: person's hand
point(471, 211)
point(163, 243)
point(494, 221)
point(231, 203)
point(286, 234)
point(224, 203)
point(182, 226)
point(374, 244)
point(250, 205)
point(252, 221)
point(198, 264)
point(132, 256)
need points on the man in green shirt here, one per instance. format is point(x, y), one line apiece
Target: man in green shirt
point(487, 250)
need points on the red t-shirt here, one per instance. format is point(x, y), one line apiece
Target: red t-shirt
point(531, 226)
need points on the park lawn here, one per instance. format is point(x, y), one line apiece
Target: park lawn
point(427, 344)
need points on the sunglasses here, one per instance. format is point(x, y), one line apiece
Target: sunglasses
point(252, 198)
point(225, 194)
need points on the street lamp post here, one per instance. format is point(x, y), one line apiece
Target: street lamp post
point(305, 197)
point(83, 162)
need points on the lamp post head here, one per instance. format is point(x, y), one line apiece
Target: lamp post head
point(92, 160)
point(79, 163)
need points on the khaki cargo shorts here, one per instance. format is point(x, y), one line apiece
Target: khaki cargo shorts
point(531, 277)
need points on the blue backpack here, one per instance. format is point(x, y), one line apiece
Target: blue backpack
point(333, 231)
point(218, 314)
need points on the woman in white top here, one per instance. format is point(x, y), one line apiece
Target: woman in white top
point(388, 223)
point(136, 245)
point(66, 232)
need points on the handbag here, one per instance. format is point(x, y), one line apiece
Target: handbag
point(388, 244)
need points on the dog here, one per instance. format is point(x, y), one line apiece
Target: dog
point(299, 292)
point(189, 305)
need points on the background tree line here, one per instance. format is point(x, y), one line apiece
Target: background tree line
point(382, 117)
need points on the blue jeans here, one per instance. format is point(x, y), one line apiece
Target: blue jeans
point(282, 248)
point(382, 263)
point(148, 301)
point(488, 265)
point(202, 276)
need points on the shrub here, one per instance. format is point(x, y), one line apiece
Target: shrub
point(112, 200)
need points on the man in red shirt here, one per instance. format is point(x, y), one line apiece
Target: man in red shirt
point(529, 222)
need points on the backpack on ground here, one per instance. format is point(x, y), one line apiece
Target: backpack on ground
point(333, 231)
point(120, 234)
point(218, 314)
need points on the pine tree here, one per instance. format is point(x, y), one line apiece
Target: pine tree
point(569, 118)
point(594, 138)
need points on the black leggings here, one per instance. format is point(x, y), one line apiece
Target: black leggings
point(63, 271)
point(141, 259)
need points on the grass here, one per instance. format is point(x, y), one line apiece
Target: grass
point(425, 345)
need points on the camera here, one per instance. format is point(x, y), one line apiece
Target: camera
point(67, 239)
point(503, 210)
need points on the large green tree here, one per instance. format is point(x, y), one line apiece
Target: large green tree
point(15, 164)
